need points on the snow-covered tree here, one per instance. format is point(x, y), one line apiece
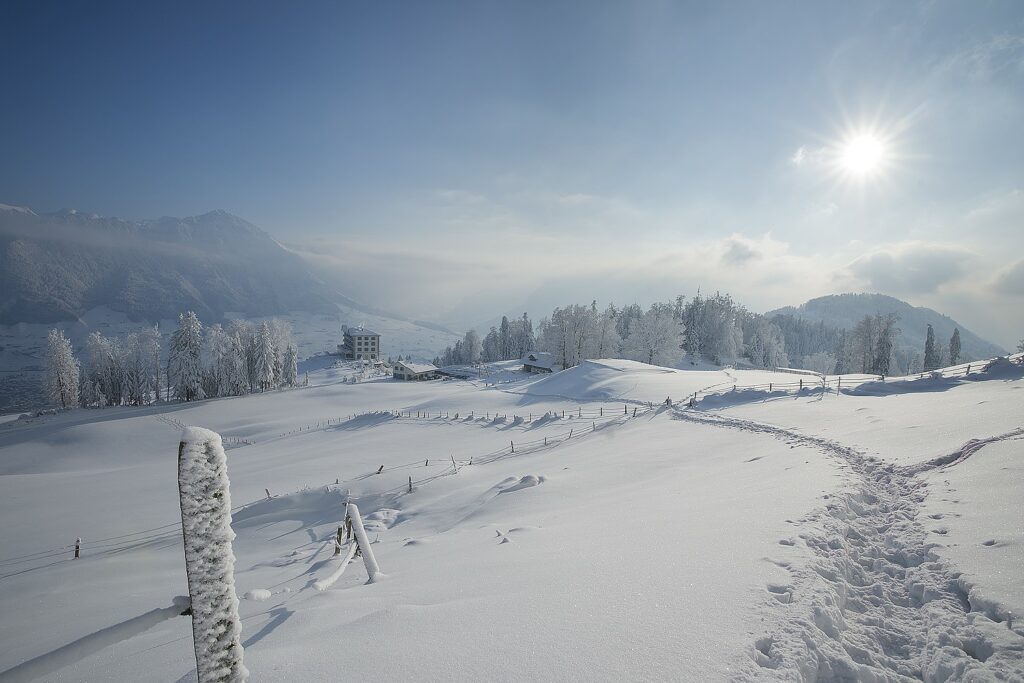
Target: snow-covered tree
point(62, 370)
point(281, 333)
point(607, 342)
point(140, 357)
point(625, 317)
point(184, 362)
point(265, 356)
point(954, 346)
point(472, 347)
point(654, 338)
point(713, 328)
point(932, 355)
point(886, 331)
point(492, 346)
point(766, 347)
point(104, 371)
point(290, 378)
point(820, 362)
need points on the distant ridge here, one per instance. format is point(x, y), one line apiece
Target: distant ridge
point(845, 310)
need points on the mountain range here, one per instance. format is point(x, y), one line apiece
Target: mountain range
point(60, 265)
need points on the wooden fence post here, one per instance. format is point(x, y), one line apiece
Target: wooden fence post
point(369, 561)
point(203, 490)
point(513, 444)
point(410, 483)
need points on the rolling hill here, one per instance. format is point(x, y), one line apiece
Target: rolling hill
point(845, 310)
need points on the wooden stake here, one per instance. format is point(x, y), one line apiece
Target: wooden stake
point(410, 484)
point(78, 548)
point(268, 493)
point(381, 469)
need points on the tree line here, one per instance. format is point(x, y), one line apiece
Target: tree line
point(713, 328)
point(231, 360)
point(710, 327)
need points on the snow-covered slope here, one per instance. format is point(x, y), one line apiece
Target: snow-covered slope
point(681, 544)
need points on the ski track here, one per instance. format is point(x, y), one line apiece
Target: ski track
point(875, 603)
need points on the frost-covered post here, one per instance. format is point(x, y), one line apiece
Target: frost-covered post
point(209, 560)
point(352, 515)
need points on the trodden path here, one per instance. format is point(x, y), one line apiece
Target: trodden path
point(875, 603)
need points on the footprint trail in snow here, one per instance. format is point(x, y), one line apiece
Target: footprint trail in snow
point(875, 603)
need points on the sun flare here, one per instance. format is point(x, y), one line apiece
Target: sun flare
point(862, 155)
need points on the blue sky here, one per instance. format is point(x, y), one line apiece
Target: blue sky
point(444, 159)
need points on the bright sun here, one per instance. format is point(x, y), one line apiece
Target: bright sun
point(862, 155)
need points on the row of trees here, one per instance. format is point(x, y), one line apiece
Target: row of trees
point(710, 327)
point(512, 339)
point(219, 361)
point(713, 328)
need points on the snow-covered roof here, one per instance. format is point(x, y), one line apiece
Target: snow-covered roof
point(540, 359)
point(361, 332)
point(417, 368)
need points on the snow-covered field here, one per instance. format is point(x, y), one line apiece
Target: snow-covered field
point(866, 535)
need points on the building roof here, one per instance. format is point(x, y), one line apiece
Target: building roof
point(361, 332)
point(417, 368)
point(540, 359)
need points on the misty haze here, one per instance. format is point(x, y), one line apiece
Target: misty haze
point(480, 341)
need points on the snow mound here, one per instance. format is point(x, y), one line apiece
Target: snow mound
point(1003, 368)
point(526, 482)
point(595, 379)
point(310, 507)
point(258, 594)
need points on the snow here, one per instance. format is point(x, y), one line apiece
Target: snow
point(416, 368)
point(209, 560)
point(834, 535)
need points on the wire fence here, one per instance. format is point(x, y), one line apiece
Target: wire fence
point(852, 381)
point(600, 417)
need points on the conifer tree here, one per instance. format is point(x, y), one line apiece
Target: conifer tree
point(62, 370)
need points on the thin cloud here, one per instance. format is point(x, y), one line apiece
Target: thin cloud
point(912, 267)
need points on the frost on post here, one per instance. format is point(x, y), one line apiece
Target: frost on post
point(209, 560)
